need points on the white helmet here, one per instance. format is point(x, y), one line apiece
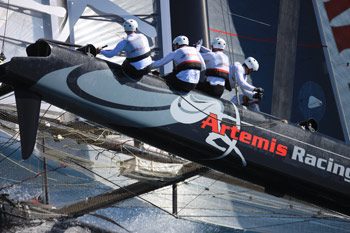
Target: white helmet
point(130, 25)
point(252, 63)
point(180, 40)
point(218, 43)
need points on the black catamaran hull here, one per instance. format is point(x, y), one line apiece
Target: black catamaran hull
point(282, 157)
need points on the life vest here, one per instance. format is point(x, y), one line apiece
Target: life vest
point(186, 58)
point(218, 65)
point(136, 47)
point(217, 73)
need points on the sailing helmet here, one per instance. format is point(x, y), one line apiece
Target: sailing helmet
point(180, 40)
point(218, 43)
point(130, 25)
point(252, 63)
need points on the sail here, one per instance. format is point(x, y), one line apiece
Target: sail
point(318, 72)
point(333, 20)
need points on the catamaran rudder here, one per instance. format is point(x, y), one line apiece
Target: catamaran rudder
point(282, 157)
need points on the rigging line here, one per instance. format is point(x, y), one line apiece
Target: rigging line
point(11, 152)
point(30, 178)
point(91, 185)
point(277, 216)
point(60, 115)
point(154, 205)
point(12, 140)
point(206, 223)
point(4, 128)
point(279, 224)
point(256, 21)
point(60, 171)
point(15, 40)
point(227, 209)
point(7, 136)
point(4, 143)
point(84, 136)
point(200, 222)
point(267, 41)
point(18, 164)
point(9, 155)
point(44, 114)
point(225, 192)
point(261, 202)
point(245, 205)
point(200, 193)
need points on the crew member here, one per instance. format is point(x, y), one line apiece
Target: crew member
point(188, 64)
point(251, 94)
point(217, 72)
point(138, 61)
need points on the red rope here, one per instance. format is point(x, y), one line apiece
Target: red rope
point(267, 41)
point(32, 177)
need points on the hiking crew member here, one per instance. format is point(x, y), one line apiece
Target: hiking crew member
point(217, 72)
point(188, 64)
point(136, 46)
point(251, 95)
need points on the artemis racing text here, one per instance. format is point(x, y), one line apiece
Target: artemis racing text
point(244, 137)
point(300, 155)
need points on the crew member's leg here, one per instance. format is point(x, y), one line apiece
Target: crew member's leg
point(133, 72)
point(175, 83)
point(212, 90)
point(216, 91)
point(203, 86)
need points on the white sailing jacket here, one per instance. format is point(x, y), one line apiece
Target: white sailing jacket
point(238, 75)
point(218, 66)
point(137, 50)
point(188, 63)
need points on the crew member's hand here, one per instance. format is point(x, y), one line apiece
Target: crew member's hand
point(199, 43)
point(98, 50)
point(258, 90)
point(258, 95)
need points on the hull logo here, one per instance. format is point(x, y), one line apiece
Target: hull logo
point(190, 109)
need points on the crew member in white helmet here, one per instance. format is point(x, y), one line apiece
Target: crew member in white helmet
point(138, 60)
point(251, 94)
point(188, 64)
point(217, 72)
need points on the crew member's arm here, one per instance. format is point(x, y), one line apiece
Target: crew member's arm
point(204, 50)
point(206, 56)
point(203, 67)
point(164, 60)
point(239, 72)
point(110, 53)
